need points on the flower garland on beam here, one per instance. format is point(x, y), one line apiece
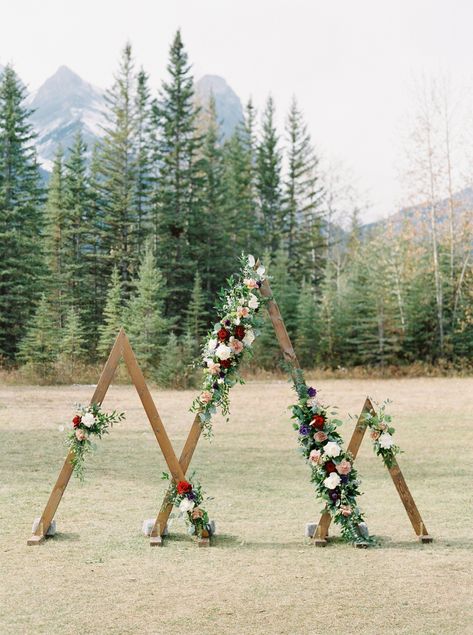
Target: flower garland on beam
point(89, 422)
point(188, 499)
point(382, 434)
point(230, 340)
point(335, 478)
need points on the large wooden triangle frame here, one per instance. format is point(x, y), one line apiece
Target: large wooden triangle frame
point(178, 468)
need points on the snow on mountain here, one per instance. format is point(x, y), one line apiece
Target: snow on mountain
point(62, 106)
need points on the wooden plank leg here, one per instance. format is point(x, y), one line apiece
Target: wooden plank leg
point(184, 461)
point(409, 504)
point(67, 469)
point(320, 536)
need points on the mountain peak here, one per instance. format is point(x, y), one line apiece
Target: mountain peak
point(227, 102)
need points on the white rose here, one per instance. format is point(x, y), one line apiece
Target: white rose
point(88, 419)
point(385, 441)
point(223, 351)
point(251, 260)
point(332, 481)
point(332, 449)
point(211, 346)
point(260, 271)
point(253, 302)
point(249, 337)
point(186, 505)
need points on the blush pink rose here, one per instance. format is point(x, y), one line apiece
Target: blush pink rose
point(374, 434)
point(250, 283)
point(345, 510)
point(314, 457)
point(344, 467)
point(243, 311)
point(197, 513)
point(205, 396)
point(214, 369)
point(320, 436)
point(80, 435)
point(236, 345)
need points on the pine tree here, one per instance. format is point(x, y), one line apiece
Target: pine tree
point(302, 223)
point(118, 172)
point(20, 215)
point(78, 230)
point(239, 185)
point(143, 188)
point(178, 238)
point(268, 181)
point(39, 347)
point(72, 347)
point(307, 339)
point(55, 241)
point(146, 326)
point(171, 367)
point(196, 316)
point(112, 315)
point(212, 261)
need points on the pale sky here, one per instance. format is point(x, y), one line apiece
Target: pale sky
point(348, 62)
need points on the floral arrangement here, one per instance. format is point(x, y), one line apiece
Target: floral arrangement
point(188, 499)
point(333, 473)
point(89, 422)
point(382, 434)
point(230, 340)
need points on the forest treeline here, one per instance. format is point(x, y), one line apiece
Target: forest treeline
point(143, 229)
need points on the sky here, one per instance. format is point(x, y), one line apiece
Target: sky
point(349, 63)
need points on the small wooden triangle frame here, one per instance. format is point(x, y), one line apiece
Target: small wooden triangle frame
point(122, 348)
point(178, 468)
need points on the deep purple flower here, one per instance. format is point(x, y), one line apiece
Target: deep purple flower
point(344, 478)
point(311, 391)
point(227, 322)
point(221, 374)
point(191, 495)
point(334, 495)
point(215, 385)
point(258, 284)
point(304, 429)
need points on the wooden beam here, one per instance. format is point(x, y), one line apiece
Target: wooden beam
point(67, 469)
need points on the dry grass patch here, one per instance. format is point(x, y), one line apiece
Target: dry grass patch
point(99, 574)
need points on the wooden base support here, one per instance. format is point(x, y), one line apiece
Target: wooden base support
point(203, 542)
point(320, 542)
point(426, 539)
point(155, 541)
point(35, 540)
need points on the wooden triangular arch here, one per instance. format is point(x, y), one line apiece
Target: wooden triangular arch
point(121, 348)
point(178, 468)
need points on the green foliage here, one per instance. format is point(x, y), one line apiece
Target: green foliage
point(144, 321)
point(20, 215)
point(173, 369)
point(112, 315)
point(72, 345)
point(39, 347)
point(196, 316)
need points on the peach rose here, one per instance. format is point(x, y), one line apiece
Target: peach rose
point(344, 467)
point(205, 396)
point(314, 457)
point(250, 283)
point(382, 426)
point(320, 436)
point(374, 434)
point(243, 311)
point(197, 513)
point(236, 345)
point(345, 510)
point(80, 435)
point(214, 369)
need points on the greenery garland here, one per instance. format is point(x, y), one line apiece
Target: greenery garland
point(230, 340)
point(335, 478)
point(188, 498)
point(87, 423)
point(382, 434)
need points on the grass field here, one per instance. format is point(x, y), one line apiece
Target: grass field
point(99, 575)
